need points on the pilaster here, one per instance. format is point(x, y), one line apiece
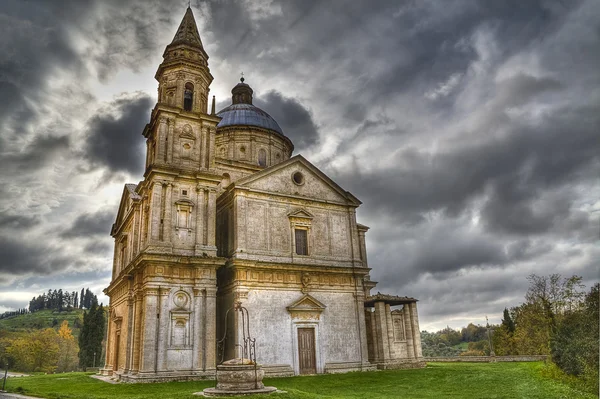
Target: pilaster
point(168, 217)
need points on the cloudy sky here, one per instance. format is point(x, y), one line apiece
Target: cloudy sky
point(469, 129)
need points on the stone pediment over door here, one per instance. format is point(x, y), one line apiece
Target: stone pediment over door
point(306, 308)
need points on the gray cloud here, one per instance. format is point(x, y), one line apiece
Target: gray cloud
point(114, 136)
point(293, 117)
point(90, 224)
point(19, 257)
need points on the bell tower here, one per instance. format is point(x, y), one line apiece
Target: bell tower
point(163, 288)
point(181, 133)
point(183, 76)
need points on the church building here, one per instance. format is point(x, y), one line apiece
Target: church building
point(226, 214)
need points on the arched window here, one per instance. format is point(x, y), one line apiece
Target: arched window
point(262, 157)
point(188, 97)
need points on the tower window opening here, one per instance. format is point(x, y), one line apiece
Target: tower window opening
point(188, 97)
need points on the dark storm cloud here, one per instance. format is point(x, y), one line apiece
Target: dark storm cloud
point(90, 224)
point(114, 136)
point(18, 257)
point(39, 152)
point(33, 41)
point(293, 118)
point(13, 222)
point(98, 247)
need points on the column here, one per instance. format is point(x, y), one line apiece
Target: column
point(200, 208)
point(197, 333)
point(210, 330)
point(390, 330)
point(128, 348)
point(150, 336)
point(211, 148)
point(410, 350)
point(383, 349)
point(416, 331)
point(170, 141)
point(168, 217)
point(161, 141)
point(203, 146)
point(363, 247)
point(138, 332)
point(109, 340)
point(211, 222)
point(362, 328)
point(155, 205)
point(163, 330)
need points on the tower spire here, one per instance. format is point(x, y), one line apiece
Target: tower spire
point(187, 33)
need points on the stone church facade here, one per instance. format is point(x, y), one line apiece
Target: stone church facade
point(226, 214)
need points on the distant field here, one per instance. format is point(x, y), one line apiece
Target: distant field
point(447, 380)
point(40, 320)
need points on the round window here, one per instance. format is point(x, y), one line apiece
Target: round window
point(298, 178)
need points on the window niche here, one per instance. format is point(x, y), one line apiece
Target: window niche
point(262, 157)
point(180, 321)
point(187, 141)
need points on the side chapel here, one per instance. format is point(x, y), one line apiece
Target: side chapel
point(226, 214)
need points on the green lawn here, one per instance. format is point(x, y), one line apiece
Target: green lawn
point(438, 380)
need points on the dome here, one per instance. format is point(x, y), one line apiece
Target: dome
point(247, 115)
point(242, 112)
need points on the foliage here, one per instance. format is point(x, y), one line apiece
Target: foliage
point(36, 352)
point(575, 344)
point(90, 338)
point(473, 333)
point(438, 380)
point(68, 349)
point(507, 322)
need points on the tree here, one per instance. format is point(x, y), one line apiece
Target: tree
point(67, 360)
point(508, 322)
point(36, 351)
point(90, 336)
point(575, 344)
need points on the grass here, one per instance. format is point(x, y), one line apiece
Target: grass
point(463, 346)
point(438, 380)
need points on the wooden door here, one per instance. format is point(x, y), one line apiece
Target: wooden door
point(306, 351)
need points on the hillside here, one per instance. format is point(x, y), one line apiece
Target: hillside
point(40, 320)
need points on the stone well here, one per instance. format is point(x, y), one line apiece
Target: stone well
point(239, 377)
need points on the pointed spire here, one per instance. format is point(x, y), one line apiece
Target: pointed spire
point(187, 33)
point(212, 112)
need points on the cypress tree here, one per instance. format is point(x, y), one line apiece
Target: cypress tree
point(90, 336)
point(508, 322)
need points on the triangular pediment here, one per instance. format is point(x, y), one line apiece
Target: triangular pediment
point(299, 178)
point(301, 213)
point(307, 303)
point(128, 198)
